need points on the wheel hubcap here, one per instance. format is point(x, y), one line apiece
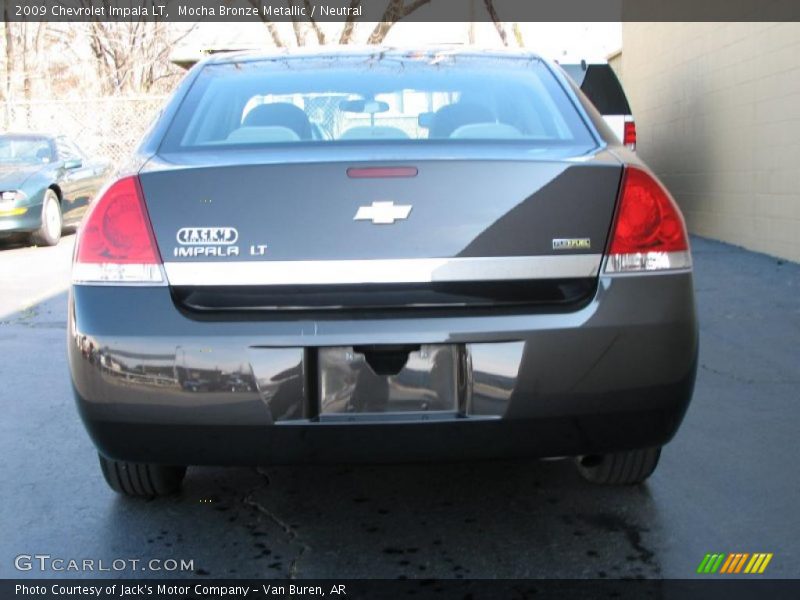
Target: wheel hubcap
point(51, 218)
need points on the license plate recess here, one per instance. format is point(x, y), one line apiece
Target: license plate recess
point(402, 380)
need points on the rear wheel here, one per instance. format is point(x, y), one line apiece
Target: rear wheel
point(50, 231)
point(139, 479)
point(620, 468)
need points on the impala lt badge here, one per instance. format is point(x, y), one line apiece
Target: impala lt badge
point(382, 213)
point(206, 242)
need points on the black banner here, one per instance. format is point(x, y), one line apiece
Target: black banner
point(396, 10)
point(377, 589)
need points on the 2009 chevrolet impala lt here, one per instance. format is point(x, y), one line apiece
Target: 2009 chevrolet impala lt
point(380, 255)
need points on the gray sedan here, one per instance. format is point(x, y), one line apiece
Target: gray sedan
point(381, 255)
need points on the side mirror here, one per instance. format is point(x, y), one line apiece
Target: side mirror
point(73, 163)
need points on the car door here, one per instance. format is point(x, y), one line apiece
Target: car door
point(78, 180)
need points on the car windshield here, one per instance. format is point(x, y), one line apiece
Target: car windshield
point(375, 99)
point(24, 150)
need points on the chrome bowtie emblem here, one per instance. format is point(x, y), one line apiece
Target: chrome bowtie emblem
point(382, 213)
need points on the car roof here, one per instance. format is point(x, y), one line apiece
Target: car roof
point(350, 51)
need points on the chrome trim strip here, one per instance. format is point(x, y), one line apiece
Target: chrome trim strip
point(413, 270)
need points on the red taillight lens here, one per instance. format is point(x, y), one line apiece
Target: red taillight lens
point(649, 233)
point(116, 242)
point(629, 135)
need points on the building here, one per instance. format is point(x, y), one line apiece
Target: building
point(717, 109)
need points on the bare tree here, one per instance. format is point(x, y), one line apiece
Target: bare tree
point(26, 71)
point(498, 24)
point(133, 56)
point(298, 26)
point(349, 29)
point(24, 66)
point(321, 40)
point(518, 35)
point(9, 61)
point(273, 31)
point(471, 26)
point(395, 11)
point(9, 54)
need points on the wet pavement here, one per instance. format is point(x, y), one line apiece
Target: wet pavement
point(727, 483)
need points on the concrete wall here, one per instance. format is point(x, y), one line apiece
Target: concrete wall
point(717, 109)
point(615, 62)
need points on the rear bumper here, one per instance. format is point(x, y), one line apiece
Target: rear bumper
point(154, 385)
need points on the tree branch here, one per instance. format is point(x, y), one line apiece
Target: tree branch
point(297, 26)
point(395, 10)
point(350, 23)
point(314, 25)
point(271, 28)
point(498, 24)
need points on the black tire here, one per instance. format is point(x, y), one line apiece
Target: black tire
point(143, 480)
point(621, 468)
point(50, 232)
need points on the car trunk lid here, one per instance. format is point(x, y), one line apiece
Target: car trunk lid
point(375, 234)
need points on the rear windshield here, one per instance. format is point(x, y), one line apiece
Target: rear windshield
point(374, 100)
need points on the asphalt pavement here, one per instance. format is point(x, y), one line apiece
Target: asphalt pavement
point(30, 275)
point(728, 482)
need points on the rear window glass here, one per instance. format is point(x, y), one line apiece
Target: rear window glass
point(374, 100)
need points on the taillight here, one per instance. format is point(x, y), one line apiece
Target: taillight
point(629, 134)
point(116, 243)
point(649, 233)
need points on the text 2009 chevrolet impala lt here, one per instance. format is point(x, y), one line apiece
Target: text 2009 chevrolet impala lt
point(380, 255)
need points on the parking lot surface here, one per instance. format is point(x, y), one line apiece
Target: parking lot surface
point(30, 275)
point(727, 483)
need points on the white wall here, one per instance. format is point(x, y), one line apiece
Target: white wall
point(717, 109)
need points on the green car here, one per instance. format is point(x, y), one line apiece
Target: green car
point(46, 185)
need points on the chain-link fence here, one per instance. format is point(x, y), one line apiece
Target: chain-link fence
point(108, 128)
point(111, 127)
